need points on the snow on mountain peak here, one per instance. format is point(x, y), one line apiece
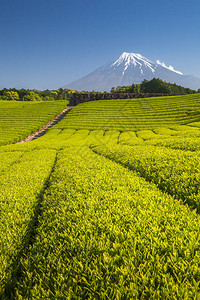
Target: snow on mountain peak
point(169, 68)
point(131, 68)
point(127, 60)
point(133, 59)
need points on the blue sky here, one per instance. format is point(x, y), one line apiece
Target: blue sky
point(50, 43)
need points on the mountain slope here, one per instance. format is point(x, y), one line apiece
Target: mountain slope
point(132, 68)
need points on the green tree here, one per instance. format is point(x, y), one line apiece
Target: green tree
point(32, 96)
point(156, 85)
point(11, 95)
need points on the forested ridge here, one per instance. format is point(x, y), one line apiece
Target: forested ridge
point(155, 85)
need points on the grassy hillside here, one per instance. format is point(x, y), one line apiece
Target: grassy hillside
point(19, 119)
point(134, 114)
point(104, 214)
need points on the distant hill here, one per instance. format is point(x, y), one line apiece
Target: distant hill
point(132, 68)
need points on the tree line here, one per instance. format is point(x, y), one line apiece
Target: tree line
point(35, 95)
point(155, 85)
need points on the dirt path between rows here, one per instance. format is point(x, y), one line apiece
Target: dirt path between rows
point(44, 129)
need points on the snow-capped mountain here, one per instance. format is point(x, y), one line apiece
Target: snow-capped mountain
point(132, 68)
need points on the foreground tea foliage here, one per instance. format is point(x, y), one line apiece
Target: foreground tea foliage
point(105, 233)
point(174, 171)
point(20, 192)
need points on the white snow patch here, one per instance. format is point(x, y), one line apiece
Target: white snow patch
point(141, 71)
point(169, 68)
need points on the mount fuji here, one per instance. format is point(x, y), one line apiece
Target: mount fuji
point(132, 68)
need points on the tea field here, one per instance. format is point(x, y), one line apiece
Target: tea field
point(105, 205)
point(134, 114)
point(19, 119)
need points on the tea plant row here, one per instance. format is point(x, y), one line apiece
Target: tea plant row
point(174, 171)
point(19, 119)
point(134, 114)
point(22, 181)
point(106, 233)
